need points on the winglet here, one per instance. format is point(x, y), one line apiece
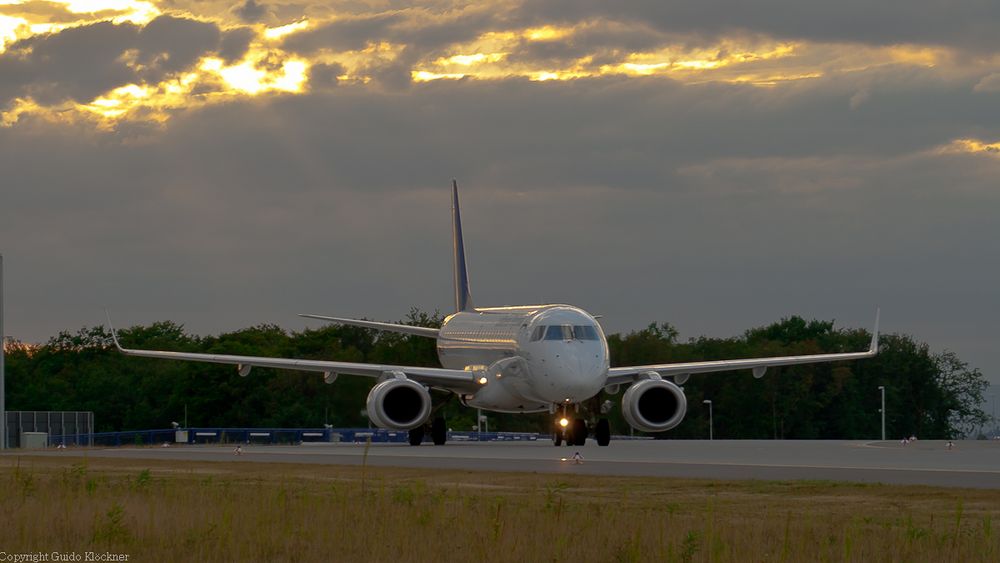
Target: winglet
point(114, 334)
point(873, 348)
point(463, 295)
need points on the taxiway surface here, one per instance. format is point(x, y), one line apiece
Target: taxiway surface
point(968, 464)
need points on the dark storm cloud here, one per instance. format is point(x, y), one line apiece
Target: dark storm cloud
point(235, 43)
point(77, 63)
point(250, 11)
point(168, 44)
point(346, 34)
point(422, 31)
point(81, 63)
point(50, 11)
point(605, 42)
point(969, 24)
point(614, 29)
point(324, 75)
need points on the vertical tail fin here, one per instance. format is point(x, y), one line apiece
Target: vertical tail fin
point(463, 297)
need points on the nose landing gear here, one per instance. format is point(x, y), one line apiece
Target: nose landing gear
point(571, 431)
point(574, 431)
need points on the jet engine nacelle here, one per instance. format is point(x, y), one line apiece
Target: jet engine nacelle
point(399, 404)
point(654, 405)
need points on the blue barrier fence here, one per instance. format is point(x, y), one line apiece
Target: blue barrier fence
point(274, 436)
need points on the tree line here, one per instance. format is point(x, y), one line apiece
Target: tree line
point(930, 395)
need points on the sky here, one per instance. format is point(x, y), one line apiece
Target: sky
point(717, 165)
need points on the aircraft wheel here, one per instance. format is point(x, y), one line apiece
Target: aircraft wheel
point(579, 432)
point(603, 432)
point(439, 431)
point(416, 436)
point(557, 438)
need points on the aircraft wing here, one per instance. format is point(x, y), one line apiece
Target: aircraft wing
point(451, 379)
point(629, 374)
point(391, 327)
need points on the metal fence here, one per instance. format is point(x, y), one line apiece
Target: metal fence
point(273, 436)
point(63, 427)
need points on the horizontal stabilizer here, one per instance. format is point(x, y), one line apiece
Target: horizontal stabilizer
point(390, 327)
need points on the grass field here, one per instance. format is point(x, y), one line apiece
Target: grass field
point(242, 511)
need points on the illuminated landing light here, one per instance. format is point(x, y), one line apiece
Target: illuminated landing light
point(564, 422)
point(482, 380)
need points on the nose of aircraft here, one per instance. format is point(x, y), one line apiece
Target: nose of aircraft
point(572, 374)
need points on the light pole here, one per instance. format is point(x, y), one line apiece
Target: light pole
point(711, 423)
point(882, 410)
point(3, 397)
point(993, 418)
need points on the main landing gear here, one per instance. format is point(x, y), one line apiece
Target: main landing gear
point(439, 433)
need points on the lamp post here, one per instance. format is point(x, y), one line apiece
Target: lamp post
point(3, 398)
point(711, 423)
point(993, 418)
point(882, 410)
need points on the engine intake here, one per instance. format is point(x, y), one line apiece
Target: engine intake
point(654, 405)
point(399, 404)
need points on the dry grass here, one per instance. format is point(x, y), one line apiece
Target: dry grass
point(169, 511)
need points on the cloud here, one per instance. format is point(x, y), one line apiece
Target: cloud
point(235, 43)
point(251, 11)
point(859, 97)
point(344, 34)
point(81, 63)
point(324, 75)
point(989, 84)
point(966, 24)
point(51, 11)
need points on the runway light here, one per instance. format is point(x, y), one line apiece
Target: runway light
point(563, 422)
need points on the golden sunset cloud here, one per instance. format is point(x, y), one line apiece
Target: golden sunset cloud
point(271, 60)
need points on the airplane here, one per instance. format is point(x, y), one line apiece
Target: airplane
point(519, 359)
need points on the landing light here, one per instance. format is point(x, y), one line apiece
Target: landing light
point(564, 422)
point(482, 380)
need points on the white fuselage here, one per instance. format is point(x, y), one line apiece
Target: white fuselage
point(535, 357)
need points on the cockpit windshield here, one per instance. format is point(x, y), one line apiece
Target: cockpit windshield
point(559, 332)
point(585, 332)
point(565, 332)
